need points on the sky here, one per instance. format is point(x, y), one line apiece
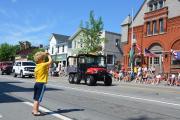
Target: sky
point(36, 20)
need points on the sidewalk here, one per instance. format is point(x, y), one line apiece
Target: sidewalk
point(163, 84)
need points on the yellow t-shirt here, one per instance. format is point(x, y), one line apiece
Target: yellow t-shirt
point(41, 72)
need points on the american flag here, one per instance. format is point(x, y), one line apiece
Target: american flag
point(139, 49)
point(176, 54)
point(148, 53)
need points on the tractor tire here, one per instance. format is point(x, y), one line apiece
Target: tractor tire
point(90, 81)
point(77, 79)
point(71, 78)
point(108, 81)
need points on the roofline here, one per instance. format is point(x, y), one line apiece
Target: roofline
point(52, 34)
point(113, 33)
point(75, 34)
point(139, 11)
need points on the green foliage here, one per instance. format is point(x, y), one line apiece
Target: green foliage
point(31, 56)
point(92, 35)
point(7, 52)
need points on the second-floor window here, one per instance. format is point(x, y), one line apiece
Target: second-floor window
point(109, 59)
point(58, 49)
point(63, 48)
point(161, 25)
point(155, 27)
point(148, 28)
point(81, 41)
point(75, 44)
point(52, 50)
point(155, 5)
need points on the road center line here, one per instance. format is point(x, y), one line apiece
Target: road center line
point(48, 111)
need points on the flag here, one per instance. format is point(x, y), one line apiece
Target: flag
point(148, 53)
point(176, 54)
point(131, 55)
point(139, 49)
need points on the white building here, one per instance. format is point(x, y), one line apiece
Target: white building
point(58, 48)
point(111, 49)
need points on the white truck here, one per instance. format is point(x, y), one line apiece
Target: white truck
point(24, 68)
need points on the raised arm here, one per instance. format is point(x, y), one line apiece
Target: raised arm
point(49, 58)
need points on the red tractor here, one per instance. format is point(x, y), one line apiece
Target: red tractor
point(87, 67)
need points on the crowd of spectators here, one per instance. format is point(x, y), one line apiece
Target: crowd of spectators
point(144, 75)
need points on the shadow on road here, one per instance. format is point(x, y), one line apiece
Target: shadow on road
point(8, 87)
point(60, 111)
point(142, 118)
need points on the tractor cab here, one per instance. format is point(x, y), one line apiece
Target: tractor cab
point(90, 68)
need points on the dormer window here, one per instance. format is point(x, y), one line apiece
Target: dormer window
point(150, 8)
point(155, 5)
point(161, 4)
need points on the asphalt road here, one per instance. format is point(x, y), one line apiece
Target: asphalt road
point(121, 101)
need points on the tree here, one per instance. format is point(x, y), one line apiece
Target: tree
point(92, 35)
point(7, 52)
point(31, 56)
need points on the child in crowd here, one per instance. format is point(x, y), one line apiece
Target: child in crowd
point(41, 76)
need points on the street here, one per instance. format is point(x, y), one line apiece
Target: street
point(121, 101)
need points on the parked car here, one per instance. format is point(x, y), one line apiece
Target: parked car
point(6, 67)
point(24, 68)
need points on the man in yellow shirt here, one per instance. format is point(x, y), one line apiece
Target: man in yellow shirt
point(41, 76)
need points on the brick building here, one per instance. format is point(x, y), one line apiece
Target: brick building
point(156, 28)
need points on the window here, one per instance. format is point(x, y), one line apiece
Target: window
point(151, 61)
point(28, 64)
point(81, 43)
point(161, 23)
point(117, 42)
point(74, 44)
point(148, 28)
point(52, 50)
point(63, 48)
point(58, 49)
point(155, 6)
point(150, 8)
point(109, 59)
point(161, 4)
point(156, 60)
point(154, 27)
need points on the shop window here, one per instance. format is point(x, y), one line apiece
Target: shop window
point(156, 60)
point(161, 23)
point(175, 62)
point(154, 27)
point(109, 59)
point(151, 61)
